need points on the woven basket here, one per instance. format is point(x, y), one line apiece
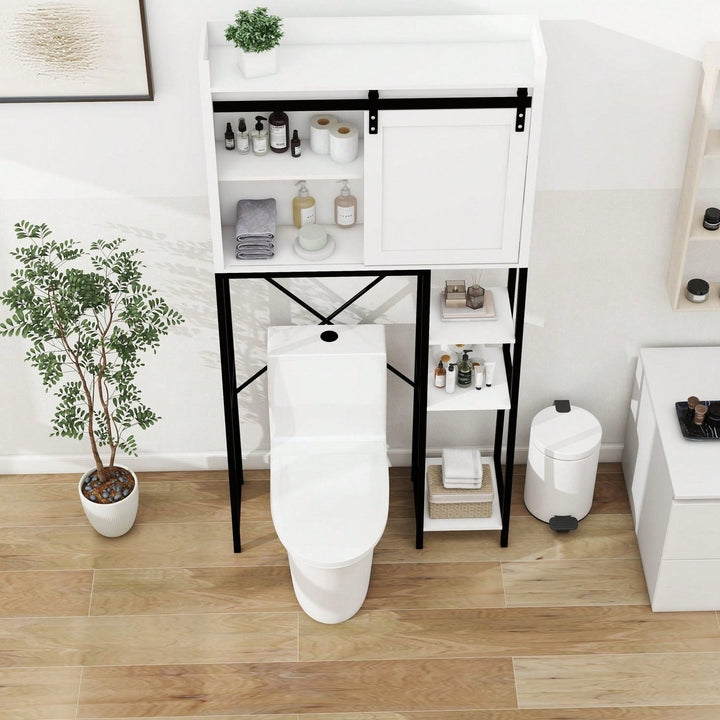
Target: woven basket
point(448, 509)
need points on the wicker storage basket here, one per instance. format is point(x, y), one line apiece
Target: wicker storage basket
point(442, 504)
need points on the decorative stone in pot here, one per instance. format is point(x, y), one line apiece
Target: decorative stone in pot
point(114, 508)
point(257, 64)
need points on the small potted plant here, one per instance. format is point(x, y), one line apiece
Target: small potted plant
point(89, 318)
point(256, 34)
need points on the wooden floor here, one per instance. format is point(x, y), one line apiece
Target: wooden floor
point(166, 622)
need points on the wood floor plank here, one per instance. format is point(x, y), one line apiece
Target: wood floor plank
point(146, 545)
point(575, 582)
point(616, 713)
point(39, 693)
point(149, 639)
point(428, 585)
point(151, 691)
point(41, 504)
point(618, 680)
point(192, 590)
point(601, 535)
point(45, 593)
point(500, 632)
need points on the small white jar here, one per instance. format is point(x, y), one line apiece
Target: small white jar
point(312, 237)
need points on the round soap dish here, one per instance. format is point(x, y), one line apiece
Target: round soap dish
point(315, 255)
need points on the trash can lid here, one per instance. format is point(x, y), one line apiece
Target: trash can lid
point(565, 436)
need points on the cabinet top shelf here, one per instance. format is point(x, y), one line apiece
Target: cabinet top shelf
point(329, 56)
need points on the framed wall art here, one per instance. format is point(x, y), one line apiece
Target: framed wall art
point(73, 50)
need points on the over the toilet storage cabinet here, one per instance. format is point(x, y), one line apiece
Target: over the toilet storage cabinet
point(448, 113)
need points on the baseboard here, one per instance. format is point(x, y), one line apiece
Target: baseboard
point(197, 462)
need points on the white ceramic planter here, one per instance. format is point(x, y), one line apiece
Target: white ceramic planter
point(257, 64)
point(112, 519)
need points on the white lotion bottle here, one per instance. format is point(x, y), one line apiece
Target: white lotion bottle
point(451, 378)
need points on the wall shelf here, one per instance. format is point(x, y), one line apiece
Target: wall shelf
point(700, 189)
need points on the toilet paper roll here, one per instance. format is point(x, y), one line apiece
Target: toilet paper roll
point(320, 133)
point(343, 142)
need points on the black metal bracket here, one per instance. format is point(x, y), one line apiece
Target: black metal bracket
point(522, 107)
point(373, 97)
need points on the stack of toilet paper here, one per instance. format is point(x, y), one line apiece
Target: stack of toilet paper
point(462, 468)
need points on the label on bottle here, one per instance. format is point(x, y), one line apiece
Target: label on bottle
point(439, 379)
point(296, 150)
point(307, 215)
point(242, 143)
point(345, 215)
point(260, 143)
point(278, 137)
point(229, 143)
point(464, 378)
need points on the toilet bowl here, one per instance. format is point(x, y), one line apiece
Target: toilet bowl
point(329, 490)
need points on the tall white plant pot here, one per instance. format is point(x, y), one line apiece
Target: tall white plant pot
point(257, 64)
point(112, 519)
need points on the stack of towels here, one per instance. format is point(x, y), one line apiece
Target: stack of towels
point(462, 468)
point(255, 229)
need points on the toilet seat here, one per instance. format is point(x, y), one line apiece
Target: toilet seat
point(329, 499)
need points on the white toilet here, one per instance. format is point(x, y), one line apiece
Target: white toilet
point(329, 489)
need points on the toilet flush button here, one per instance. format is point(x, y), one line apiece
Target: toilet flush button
point(329, 336)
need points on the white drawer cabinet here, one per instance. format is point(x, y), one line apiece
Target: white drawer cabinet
point(673, 482)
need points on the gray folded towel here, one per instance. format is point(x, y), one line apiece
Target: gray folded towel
point(255, 220)
point(254, 248)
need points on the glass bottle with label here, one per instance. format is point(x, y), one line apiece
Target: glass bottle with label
point(279, 125)
point(229, 137)
point(242, 139)
point(259, 137)
point(440, 375)
point(464, 377)
point(345, 207)
point(303, 206)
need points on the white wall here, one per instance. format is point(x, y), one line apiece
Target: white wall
point(621, 85)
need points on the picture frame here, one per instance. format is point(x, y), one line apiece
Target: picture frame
point(73, 51)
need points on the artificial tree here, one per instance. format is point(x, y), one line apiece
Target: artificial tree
point(255, 31)
point(89, 318)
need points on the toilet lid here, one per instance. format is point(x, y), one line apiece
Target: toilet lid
point(329, 500)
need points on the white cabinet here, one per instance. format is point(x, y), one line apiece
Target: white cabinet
point(696, 250)
point(672, 481)
point(445, 178)
point(444, 187)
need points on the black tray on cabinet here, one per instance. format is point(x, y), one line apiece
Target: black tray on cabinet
point(691, 431)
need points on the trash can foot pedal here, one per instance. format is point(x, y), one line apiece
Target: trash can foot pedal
point(563, 523)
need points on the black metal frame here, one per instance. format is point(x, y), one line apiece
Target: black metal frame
point(512, 359)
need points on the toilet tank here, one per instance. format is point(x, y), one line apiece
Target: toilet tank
point(327, 381)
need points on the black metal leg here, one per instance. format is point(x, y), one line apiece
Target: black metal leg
point(230, 402)
point(422, 338)
point(514, 396)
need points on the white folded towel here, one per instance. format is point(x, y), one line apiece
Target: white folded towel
point(467, 484)
point(462, 464)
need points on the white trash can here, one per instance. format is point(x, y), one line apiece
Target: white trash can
point(562, 465)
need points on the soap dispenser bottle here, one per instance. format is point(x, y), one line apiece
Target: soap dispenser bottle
point(259, 137)
point(464, 376)
point(345, 207)
point(242, 139)
point(279, 124)
point(303, 206)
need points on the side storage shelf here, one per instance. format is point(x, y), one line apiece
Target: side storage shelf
point(696, 250)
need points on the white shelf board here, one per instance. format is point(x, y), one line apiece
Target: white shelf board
point(496, 397)
point(494, 522)
point(348, 252)
point(500, 329)
point(323, 56)
point(234, 167)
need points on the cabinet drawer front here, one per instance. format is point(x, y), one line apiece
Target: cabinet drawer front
point(447, 187)
point(693, 531)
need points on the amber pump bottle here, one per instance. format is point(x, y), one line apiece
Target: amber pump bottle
point(279, 126)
